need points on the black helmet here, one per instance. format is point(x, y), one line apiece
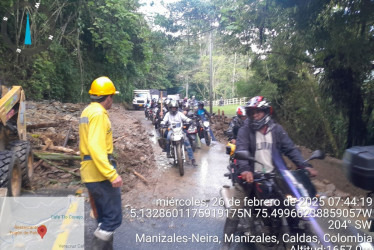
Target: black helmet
point(258, 103)
point(173, 104)
point(200, 104)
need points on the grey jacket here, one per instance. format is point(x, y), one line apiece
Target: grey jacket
point(282, 144)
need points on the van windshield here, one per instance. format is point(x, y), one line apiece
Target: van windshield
point(141, 95)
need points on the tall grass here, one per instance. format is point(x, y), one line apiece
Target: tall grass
point(230, 110)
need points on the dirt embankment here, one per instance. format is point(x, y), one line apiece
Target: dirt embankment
point(60, 123)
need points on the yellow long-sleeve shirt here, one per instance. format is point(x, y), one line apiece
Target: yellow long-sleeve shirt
point(95, 132)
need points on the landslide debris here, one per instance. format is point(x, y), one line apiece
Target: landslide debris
point(53, 132)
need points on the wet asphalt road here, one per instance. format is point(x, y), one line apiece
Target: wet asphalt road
point(195, 218)
point(198, 224)
point(195, 221)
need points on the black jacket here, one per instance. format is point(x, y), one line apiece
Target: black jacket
point(282, 144)
point(235, 125)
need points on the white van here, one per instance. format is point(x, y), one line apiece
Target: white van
point(140, 98)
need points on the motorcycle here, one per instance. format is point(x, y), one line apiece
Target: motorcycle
point(191, 131)
point(277, 193)
point(146, 110)
point(230, 150)
point(151, 114)
point(204, 130)
point(177, 146)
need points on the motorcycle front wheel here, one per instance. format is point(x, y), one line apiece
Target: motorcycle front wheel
point(207, 138)
point(193, 144)
point(179, 158)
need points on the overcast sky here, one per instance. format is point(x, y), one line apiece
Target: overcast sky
point(154, 6)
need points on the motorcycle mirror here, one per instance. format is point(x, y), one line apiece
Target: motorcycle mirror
point(318, 154)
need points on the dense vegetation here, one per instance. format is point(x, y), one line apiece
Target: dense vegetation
point(313, 59)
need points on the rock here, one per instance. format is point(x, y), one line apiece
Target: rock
point(341, 194)
point(65, 176)
point(329, 193)
point(121, 146)
point(330, 187)
point(129, 146)
point(51, 130)
point(325, 181)
point(319, 185)
point(143, 159)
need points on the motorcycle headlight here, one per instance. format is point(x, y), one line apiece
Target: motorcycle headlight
point(206, 124)
point(192, 128)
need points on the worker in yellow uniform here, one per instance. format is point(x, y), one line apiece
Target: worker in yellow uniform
point(98, 168)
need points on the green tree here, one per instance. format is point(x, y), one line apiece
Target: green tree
point(333, 38)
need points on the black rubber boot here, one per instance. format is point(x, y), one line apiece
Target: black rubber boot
point(229, 229)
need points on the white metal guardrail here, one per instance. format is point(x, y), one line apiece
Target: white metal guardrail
point(238, 101)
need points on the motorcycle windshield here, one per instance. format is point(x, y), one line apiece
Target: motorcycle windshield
point(303, 179)
point(299, 186)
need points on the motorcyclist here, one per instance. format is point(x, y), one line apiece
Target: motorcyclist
point(166, 105)
point(221, 101)
point(236, 123)
point(202, 112)
point(192, 102)
point(266, 141)
point(175, 116)
point(204, 116)
point(180, 105)
point(146, 107)
point(153, 103)
point(185, 103)
point(158, 117)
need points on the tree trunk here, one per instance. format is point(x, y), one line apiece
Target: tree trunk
point(233, 78)
point(356, 126)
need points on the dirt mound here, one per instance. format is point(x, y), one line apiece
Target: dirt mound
point(57, 124)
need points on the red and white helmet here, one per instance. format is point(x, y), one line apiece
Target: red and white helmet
point(240, 111)
point(258, 103)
